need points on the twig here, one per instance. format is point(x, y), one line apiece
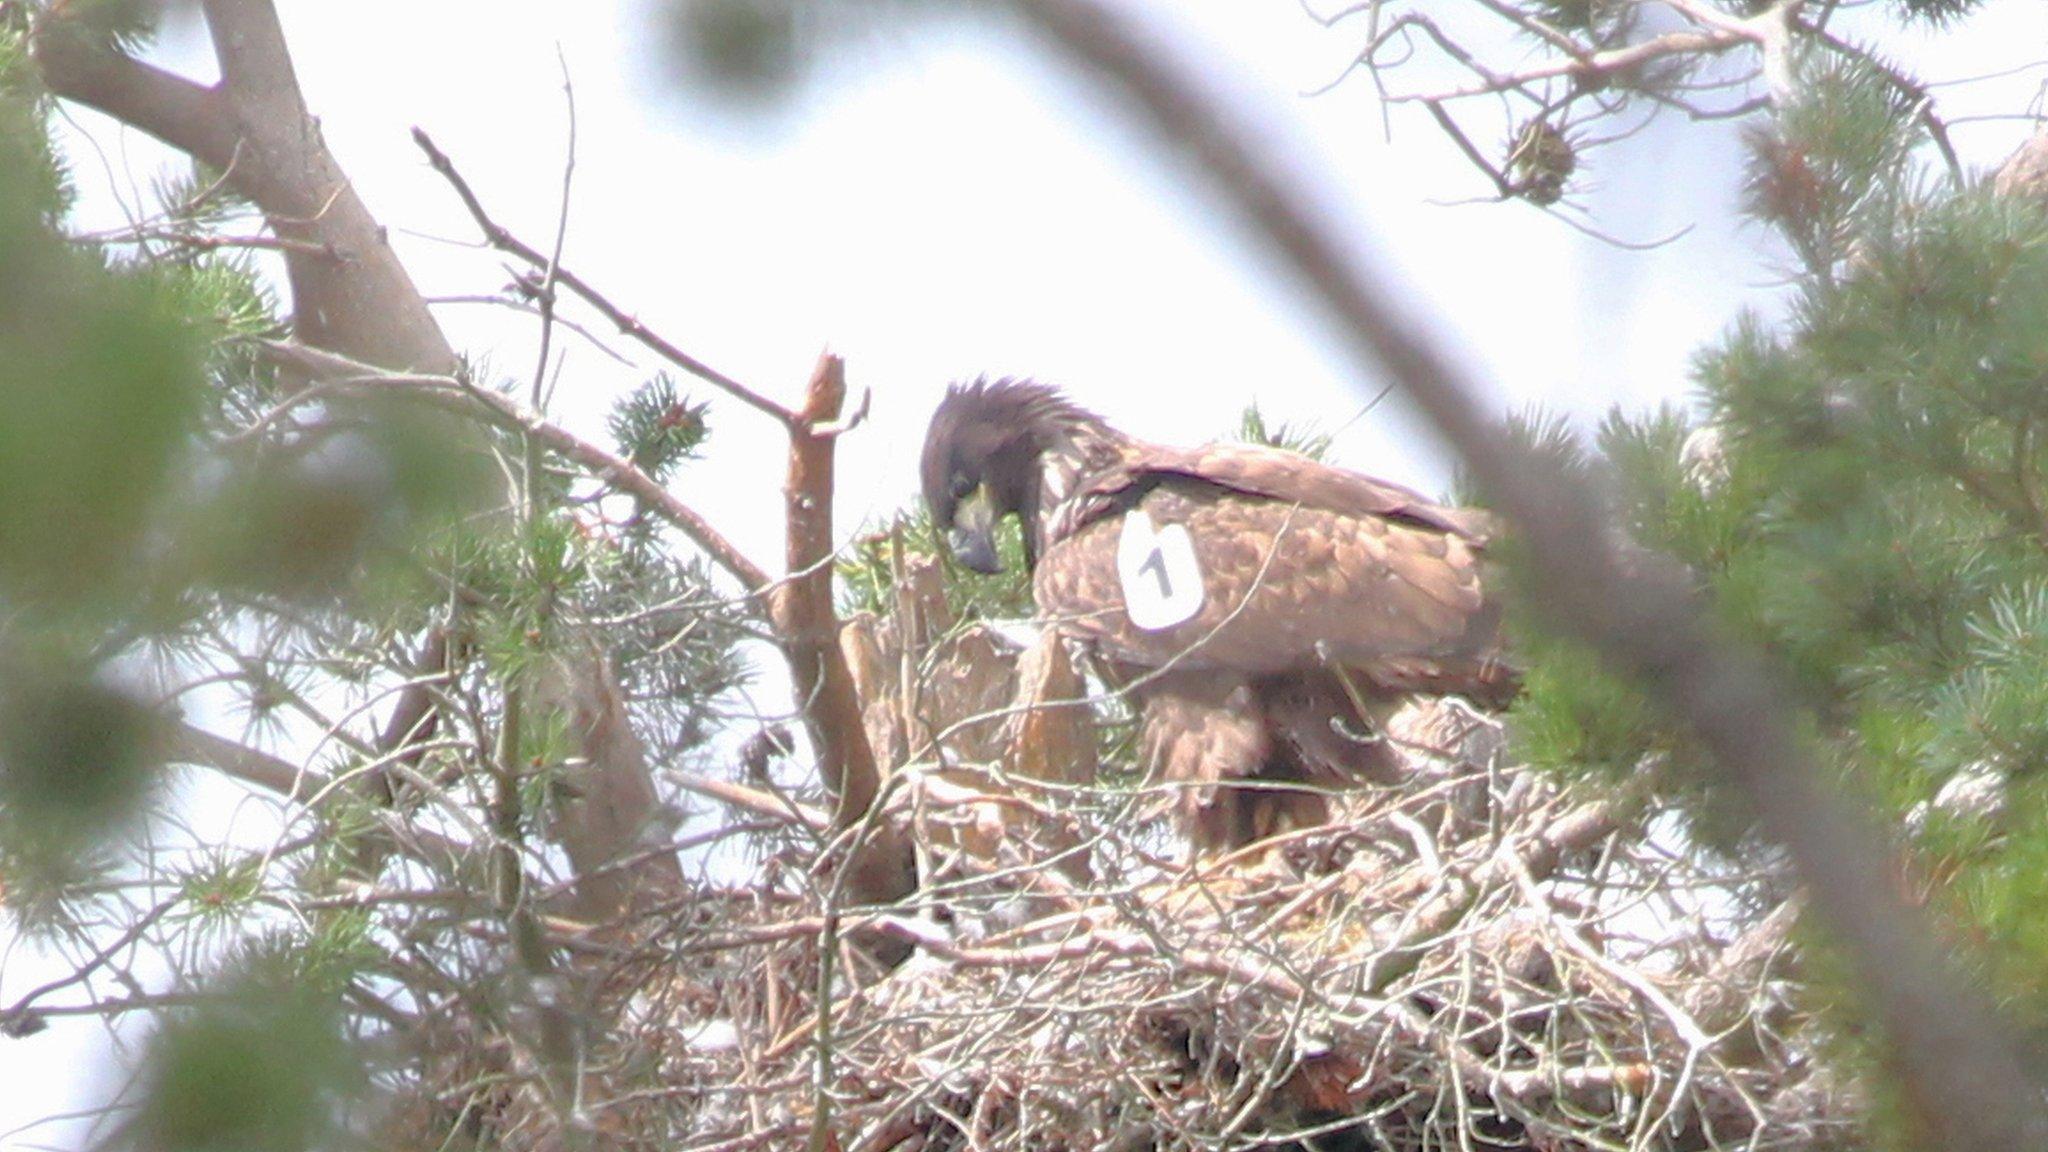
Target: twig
point(504, 241)
point(589, 337)
point(23, 1015)
point(601, 463)
point(546, 297)
point(753, 800)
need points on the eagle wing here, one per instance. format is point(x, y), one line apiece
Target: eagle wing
point(1290, 477)
point(1299, 565)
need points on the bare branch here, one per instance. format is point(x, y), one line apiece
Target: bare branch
point(759, 801)
point(241, 762)
point(414, 717)
point(496, 235)
point(192, 118)
point(807, 627)
point(1599, 71)
point(601, 463)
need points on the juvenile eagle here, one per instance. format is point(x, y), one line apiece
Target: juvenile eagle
point(1266, 611)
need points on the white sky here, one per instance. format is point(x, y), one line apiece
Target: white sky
point(939, 206)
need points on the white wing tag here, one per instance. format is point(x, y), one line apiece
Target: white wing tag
point(1162, 582)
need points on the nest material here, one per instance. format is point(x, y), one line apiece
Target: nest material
point(1469, 957)
point(1473, 959)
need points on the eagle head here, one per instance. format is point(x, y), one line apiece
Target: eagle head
point(981, 461)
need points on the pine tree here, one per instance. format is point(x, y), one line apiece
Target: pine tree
point(1861, 492)
point(475, 654)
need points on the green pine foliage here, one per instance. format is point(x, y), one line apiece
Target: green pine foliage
point(260, 1070)
point(867, 581)
point(100, 389)
point(1577, 15)
point(1831, 160)
point(674, 636)
point(37, 177)
point(190, 537)
point(101, 373)
point(1306, 438)
point(127, 25)
point(1863, 494)
point(1936, 12)
point(658, 427)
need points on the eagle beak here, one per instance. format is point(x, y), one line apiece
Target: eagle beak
point(974, 532)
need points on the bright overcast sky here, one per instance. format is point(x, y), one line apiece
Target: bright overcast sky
point(942, 205)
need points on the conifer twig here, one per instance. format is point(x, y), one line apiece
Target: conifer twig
point(602, 463)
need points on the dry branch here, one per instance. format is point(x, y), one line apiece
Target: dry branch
point(501, 239)
point(807, 629)
point(602, 464)
point(1249, 1008)
point(1591, 83)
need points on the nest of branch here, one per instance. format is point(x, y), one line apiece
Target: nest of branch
point(1469, 957)
point(1473, 959)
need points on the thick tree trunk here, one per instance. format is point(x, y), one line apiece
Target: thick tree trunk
point(349, 292)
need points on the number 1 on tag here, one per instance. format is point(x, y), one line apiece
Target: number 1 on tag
point(1161, 580)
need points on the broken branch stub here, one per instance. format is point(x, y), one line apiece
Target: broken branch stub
point(880, 868)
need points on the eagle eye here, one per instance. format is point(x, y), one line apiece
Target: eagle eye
point(963, 485)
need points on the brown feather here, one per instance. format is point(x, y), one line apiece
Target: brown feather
point(1204, 732)
point(1288, 588)
point(1288, 477)
point(1328, 597)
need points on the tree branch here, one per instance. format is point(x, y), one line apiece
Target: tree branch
point(607, 466)
point(1955, 1059)
point(192, 118)
point(255, 65)
point(414, 717)
point(807, 627)
point(349, 292)
point(800, 607)
point(497, 237)
point(759, 801)
point(238, 761)
point(803, 610)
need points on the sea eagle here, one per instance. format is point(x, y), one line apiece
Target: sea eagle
point(1266, 611)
